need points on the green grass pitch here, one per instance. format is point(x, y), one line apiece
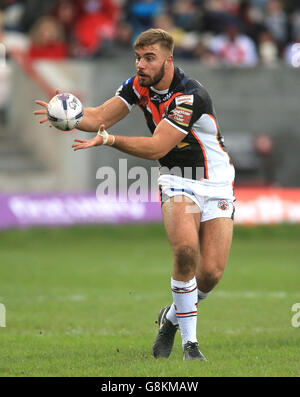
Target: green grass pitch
point(83, 302)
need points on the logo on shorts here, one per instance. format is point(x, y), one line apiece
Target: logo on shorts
point(223, 205)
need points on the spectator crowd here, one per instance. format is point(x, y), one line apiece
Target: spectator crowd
point(214, 32)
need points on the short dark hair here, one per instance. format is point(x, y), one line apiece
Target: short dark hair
point(153, 36)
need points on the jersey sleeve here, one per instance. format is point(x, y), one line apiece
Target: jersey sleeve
point(185, 110)
point(127, 94)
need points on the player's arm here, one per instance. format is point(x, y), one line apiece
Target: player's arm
point(165, 137)
point(108, 114)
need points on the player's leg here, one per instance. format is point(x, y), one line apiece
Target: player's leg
point(215, 244)
point(215, 236)
point(182, 229)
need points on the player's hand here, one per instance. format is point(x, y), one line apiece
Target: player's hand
point(86, 143)
point(43, 112)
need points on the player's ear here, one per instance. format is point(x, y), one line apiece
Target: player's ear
point(170, 59)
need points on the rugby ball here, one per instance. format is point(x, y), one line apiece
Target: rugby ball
point(65, 111)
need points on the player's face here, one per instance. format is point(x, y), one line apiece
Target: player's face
point(150, 64)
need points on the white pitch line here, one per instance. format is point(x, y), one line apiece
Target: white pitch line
point(255, 294)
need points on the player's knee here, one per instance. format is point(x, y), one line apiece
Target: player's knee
point(185, 259)
point(211, 277)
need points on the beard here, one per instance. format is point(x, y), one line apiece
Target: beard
point(154, 80)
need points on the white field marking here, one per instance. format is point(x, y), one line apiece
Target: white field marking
point(77, 298)
point(138, 296)
point(255, 294)
point(69, 298)
point(100, 332)
point(2, 315)
point(233, 331)
point(57, 298)
point(256, 330)
point(75, 331)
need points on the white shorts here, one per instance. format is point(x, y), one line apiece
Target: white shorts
point(214, 199)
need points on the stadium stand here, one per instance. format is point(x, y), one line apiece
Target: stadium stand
point(91, 26)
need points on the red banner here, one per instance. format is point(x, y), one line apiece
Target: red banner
point(267, 205)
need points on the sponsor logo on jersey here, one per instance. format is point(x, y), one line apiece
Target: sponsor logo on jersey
point(188, 99)
point(160, 98)
point(181, 115)
point(223, 205)
point(156, 98)
point(168, 96)
point(181, 145)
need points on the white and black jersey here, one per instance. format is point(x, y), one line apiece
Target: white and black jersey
point(187, 106)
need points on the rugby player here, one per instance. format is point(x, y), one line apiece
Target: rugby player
point(195, 182)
